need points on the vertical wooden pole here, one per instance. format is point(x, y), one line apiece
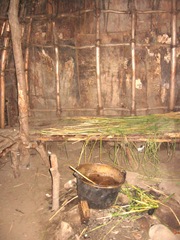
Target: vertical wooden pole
point(20, 71)
point(98, 74)
point(26, 59)
point(15, 161)
point(133, 24)
point(56, 182)
point(56, 49)
point(2, 79)
point(173, 56)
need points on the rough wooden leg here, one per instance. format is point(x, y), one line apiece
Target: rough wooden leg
point(44, 155)
point(132, 162)
point(84, 211)
point(15, 161)
point(24, 155)
point(56, 182)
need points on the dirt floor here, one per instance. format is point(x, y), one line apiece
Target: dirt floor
point(25, 202)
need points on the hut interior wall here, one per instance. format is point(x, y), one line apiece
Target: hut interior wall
point(62, 36)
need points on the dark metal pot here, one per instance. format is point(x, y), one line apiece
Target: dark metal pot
point(107, 180)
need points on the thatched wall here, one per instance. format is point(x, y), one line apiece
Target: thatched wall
point(66, 43)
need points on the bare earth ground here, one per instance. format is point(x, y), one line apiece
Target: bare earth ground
point(25, 203)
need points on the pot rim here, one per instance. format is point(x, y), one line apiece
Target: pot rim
point(96, 185)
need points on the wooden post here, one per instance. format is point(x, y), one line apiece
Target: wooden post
point(98, 74)
point(133, 21)
point(56, 49)
point(56, 182)
point(15, 160)
point(173, 56)
point(21, 80)
point(20, 71)
point(3, 66)
point(26, 58)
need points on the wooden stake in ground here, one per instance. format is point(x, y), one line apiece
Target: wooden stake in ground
point(84, 211)
point(55, 182)
point(15, 160)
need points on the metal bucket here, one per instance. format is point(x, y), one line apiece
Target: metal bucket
point(107, 181)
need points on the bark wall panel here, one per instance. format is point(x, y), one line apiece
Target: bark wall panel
point(42, 83)
point(153, 79)
point(178, 27)
point(40, 33)
point(4, 6)
point(75, 26)
point(68, 6)
point(143, 25)
point(141, 78)
point(87, 78)
point(86, 23)
point(118, 23)
point(177, 90)
point(11, 109)
point(118, 5)
point(65, 29)
point(163, 4)
point(69, 85)
point(116, 85)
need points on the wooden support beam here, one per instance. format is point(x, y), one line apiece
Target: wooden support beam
point(40, 148)
point(56, 50)
point(133, 25)
point(98, 73)
point(173, 55)
point(26, 58)
point(20, 70)
point(3, 68)
point(21, 82)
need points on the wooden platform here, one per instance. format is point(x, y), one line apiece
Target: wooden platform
point(160, 128)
